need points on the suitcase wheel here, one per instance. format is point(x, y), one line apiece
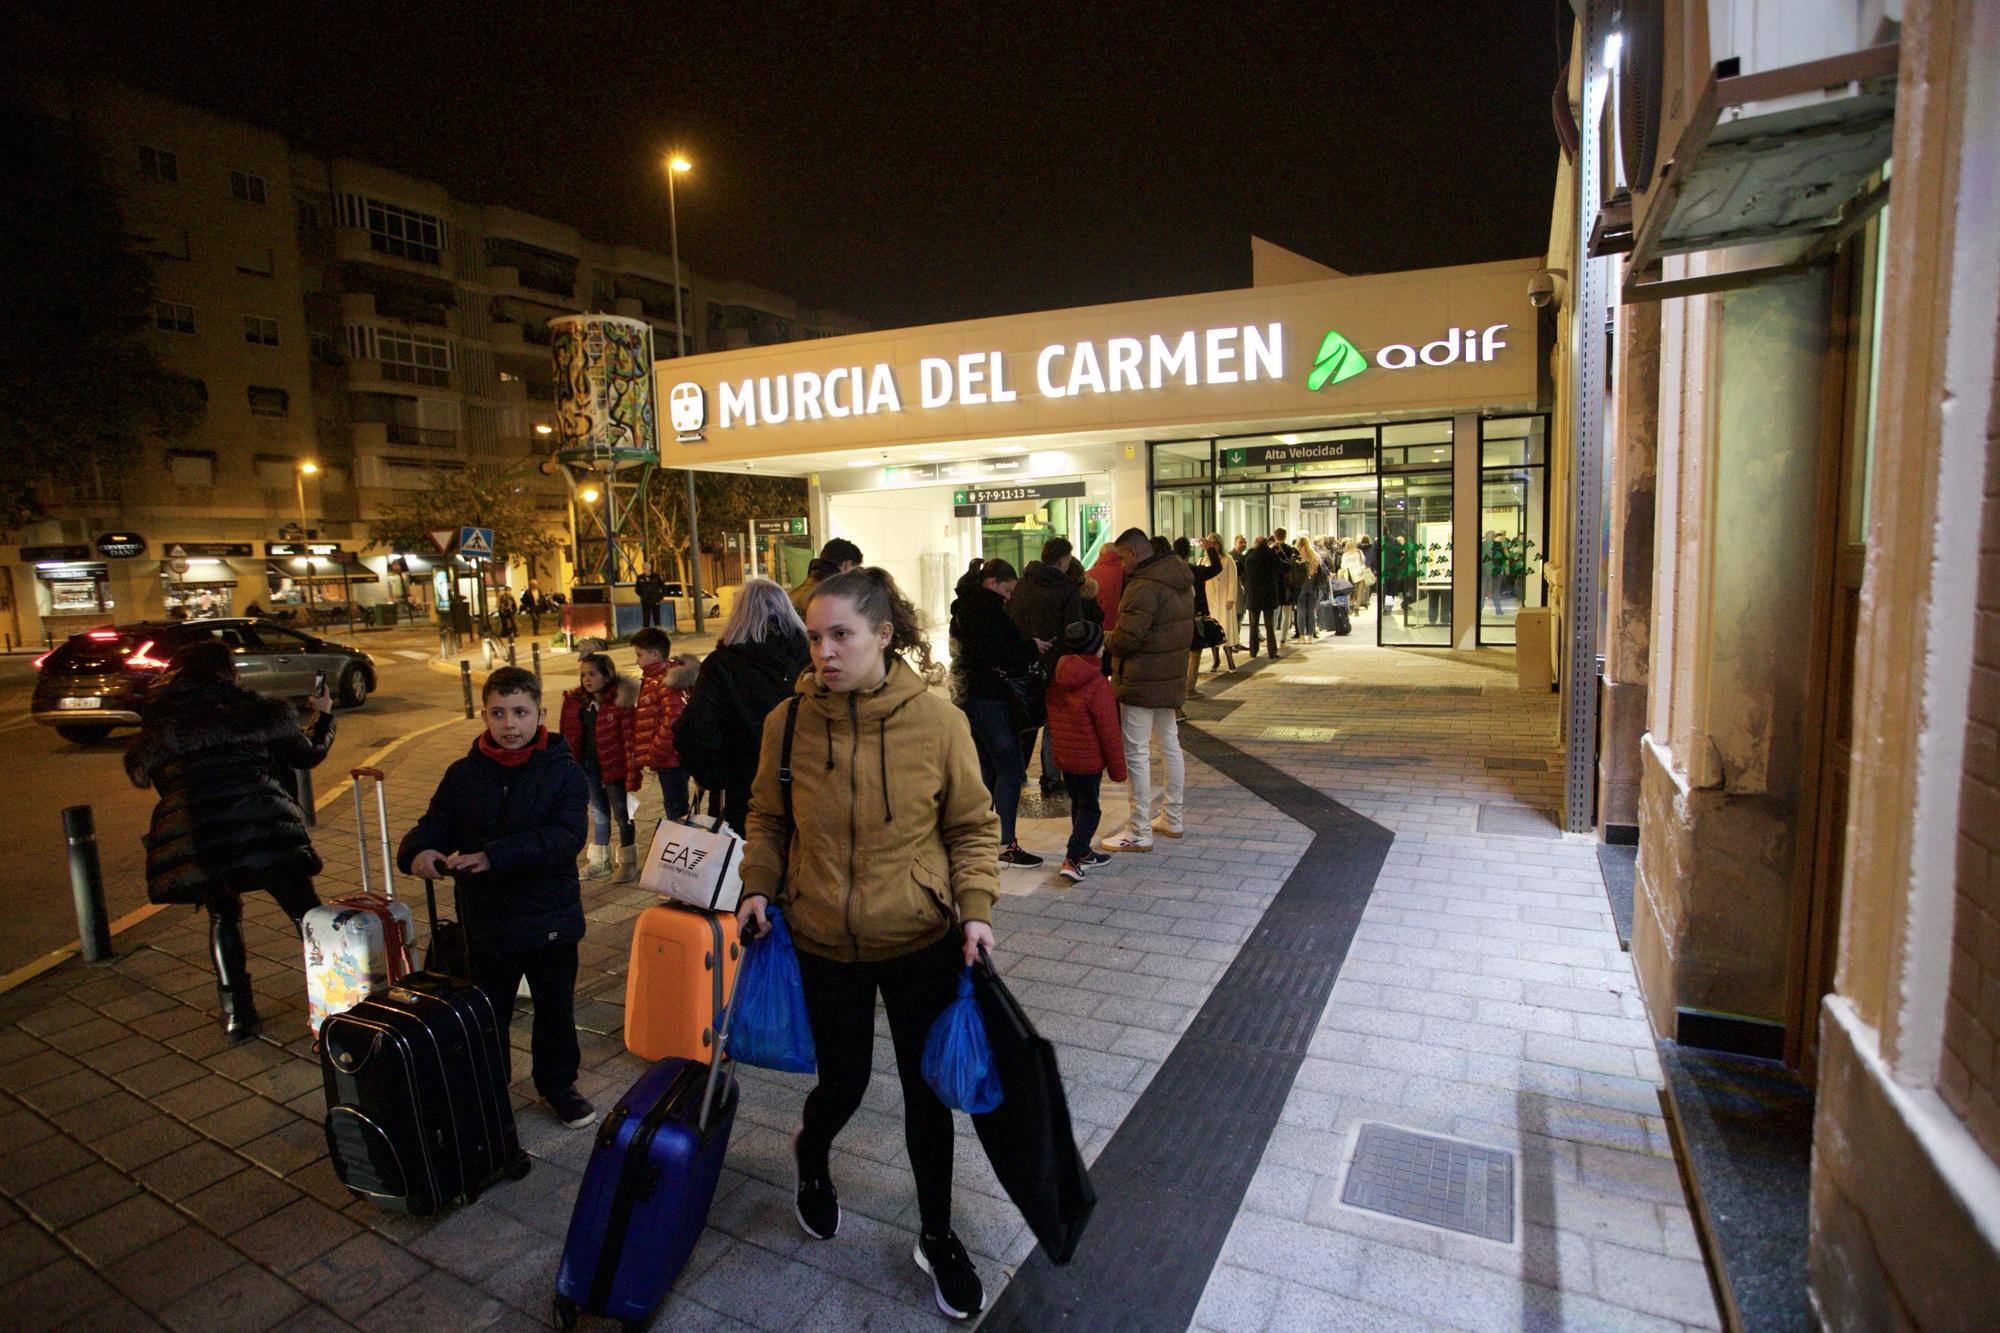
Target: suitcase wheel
point(519, 1167)
point(562, 1313)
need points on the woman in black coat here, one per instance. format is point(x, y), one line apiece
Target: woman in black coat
point(987, 646)
point(719, 733)
point(221, 758)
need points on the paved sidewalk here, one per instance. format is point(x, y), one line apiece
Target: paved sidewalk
point(154, 1175)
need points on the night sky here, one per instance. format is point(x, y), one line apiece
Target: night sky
point(911, 164)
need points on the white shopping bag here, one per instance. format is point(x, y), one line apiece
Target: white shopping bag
point(697, 864)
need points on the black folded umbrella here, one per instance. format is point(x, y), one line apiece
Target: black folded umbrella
point(1028, 1138)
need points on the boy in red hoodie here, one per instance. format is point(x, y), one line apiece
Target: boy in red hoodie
point(1083, 729)
point(663, 692)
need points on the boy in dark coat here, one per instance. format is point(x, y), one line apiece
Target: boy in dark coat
point(506, 823)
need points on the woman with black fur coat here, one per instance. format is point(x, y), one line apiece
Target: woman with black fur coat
point(221, 758)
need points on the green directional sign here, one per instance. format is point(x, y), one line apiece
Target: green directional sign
point(1338, 360)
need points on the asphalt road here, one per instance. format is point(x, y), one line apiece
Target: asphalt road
point(41, 774)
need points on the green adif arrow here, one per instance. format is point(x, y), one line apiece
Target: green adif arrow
point(1338, 360)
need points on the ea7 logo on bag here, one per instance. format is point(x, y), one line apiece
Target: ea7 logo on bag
point(681, 856)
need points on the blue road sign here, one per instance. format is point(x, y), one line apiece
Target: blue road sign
point(475, 543)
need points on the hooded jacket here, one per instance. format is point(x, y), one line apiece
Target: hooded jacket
point(1083, 719)
point(663, 692)
point(615, 736)
point(1109, 571)
point(717, 734)
point(221, 757)
point(1045, 601)
point(530, 822)
point(1154, 634)
point(879, 859)
point(986, 645)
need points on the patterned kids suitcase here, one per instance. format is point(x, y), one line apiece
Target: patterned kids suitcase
point(682, 970)
point(359, 945)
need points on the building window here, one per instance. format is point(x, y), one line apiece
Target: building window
point(267, 402)
point(1513, 522)
point(190, 468)
point(244, 186)
point(257, 262)
point(173, 317)
point(401, 232)
point(260, 329)
point(159, 164)
point(277, 472)
point(408, 359)
point(326, 350)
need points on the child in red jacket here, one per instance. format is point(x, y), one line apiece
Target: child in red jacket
point(598, 721)
point(1083, 730)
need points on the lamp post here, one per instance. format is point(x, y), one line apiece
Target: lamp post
point(306, 469)
point(676, 164)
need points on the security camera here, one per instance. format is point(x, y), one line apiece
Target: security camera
point(1543, 288)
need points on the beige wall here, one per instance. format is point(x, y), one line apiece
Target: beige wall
point(1373, 312)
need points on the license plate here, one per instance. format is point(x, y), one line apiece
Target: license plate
point(79, 703)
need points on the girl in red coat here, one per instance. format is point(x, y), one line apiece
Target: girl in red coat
point(598, 721)
point(1083, 730)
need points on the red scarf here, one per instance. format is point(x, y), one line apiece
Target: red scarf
point(512, 758)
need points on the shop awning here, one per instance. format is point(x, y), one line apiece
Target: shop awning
point(322, 572)
point(1743, 175)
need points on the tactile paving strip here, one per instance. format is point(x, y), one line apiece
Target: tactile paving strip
point(1210, 710)
point(1284, 732)
point(1439, 1182)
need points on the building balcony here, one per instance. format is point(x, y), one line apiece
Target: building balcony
point(529, 285)
point(364, 376)
point(373, 438)
point(356, 245)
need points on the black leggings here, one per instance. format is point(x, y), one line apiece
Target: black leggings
point(294, 896)
point(840, 1002)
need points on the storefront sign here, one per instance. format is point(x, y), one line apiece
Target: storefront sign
point(120, 545)
point(779, 527)
point(213, 550)
point(56, 554)
point(1326, 502)
point(1230, 354)
point(1045, 490)
point(318, 550)
point(1278, 455)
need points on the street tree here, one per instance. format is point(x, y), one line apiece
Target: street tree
point(481, 497)
point(727, 502)
point(81, 387)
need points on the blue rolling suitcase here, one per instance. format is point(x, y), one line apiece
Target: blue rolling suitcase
point(646, 1193)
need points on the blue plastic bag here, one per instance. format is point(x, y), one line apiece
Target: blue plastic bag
point(958, 1060)
point(767, 1025)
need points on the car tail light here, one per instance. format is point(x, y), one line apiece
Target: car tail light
point(143, 659)
point(103, 635)
point(43, 657)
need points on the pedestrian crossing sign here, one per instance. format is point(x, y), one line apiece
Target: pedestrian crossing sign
point(475, 543)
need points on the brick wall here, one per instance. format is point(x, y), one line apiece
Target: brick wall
point(1970, 1075)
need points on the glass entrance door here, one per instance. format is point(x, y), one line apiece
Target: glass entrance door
point(1415, 587)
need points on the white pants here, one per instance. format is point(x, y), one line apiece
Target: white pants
point(1141, 728)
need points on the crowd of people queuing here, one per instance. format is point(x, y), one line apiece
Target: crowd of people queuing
point(882, 840)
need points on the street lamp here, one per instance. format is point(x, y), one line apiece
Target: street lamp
point(676, 164)
point(306, 469)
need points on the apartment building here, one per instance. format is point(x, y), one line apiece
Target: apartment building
point(355, 331)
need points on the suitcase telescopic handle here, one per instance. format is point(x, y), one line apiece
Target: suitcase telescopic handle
point(382, 823)
point(744, 937)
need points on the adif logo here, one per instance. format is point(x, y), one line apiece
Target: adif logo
point(687, 408)
point(1338, 360)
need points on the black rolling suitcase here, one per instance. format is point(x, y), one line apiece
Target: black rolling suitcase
point(417, 1110)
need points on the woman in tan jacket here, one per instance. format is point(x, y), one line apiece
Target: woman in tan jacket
point(886, 870)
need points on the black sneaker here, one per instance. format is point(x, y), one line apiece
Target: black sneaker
point(817, 1205)
point(1095, 859)
point(1013, 855)
point(953, 1278)
point(572, 1108)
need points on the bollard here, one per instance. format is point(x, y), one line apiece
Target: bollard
point(86, 883)
point(535, 655)
point(444, 643)
point(465, 679)
point(302, 780)
point(510, 652)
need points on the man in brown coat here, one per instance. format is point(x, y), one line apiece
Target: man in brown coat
point(1150, 644)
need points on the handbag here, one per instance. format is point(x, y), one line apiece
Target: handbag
point(1207, 632)
point(697, 863)
point(1026, 691)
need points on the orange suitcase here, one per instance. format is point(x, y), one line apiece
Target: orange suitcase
point(684, 963)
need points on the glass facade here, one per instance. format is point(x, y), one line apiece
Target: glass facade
point(1385, 483)
point(1513, 522)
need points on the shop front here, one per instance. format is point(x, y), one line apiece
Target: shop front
point(1403, 409)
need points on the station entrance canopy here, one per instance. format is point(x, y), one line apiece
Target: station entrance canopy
point(1388, 345)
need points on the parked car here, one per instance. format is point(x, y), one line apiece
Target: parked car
point(99, 679)
point(677, 597)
